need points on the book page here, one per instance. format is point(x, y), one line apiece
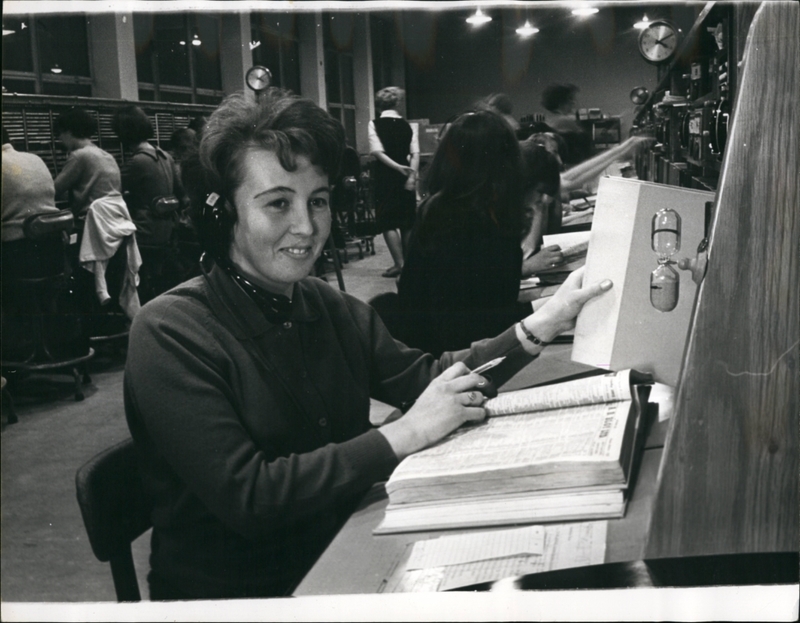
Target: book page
point(565, 546)
point(585, 433)
point(592, 390)
point(471, 547)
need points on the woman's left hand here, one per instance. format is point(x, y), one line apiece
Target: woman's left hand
point(546, 257)
point(559, 313)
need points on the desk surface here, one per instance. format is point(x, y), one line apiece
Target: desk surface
point(356, 561)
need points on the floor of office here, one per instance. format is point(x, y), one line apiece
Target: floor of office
point(45, 551)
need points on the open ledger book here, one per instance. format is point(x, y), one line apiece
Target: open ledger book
point(559, 452)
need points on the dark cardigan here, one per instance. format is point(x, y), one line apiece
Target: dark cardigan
point(460, 284)
point(253, 436)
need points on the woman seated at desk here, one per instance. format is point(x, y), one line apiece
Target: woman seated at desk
point(247, 388)
point(461, 279)
point(542, 183)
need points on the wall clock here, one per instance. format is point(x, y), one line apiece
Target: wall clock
point(258, 78)
point(658, 42)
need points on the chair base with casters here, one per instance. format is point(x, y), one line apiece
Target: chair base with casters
point(75, 367)
point(116, 511)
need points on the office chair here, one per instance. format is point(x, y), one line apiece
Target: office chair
point(116, 511)
point(43, 330)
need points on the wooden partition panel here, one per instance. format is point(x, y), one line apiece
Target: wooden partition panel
point(729, 478)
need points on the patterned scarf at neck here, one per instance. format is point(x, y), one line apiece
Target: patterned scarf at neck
point(276, 307)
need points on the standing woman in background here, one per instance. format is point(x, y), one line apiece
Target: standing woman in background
point(395, 146)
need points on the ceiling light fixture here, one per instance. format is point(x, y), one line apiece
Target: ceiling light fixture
point(182, 42)
point(55, 69)
point(585, 11)
point(254, 45)
point(196, 40)
point(479, 18)
point(642, 24)
point(6, 31)
point(526, 30)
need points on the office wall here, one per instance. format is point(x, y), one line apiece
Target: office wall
point(450, 64)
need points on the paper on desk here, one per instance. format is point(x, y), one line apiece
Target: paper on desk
point(475, 546)
point(566, 240)
point(565, 546)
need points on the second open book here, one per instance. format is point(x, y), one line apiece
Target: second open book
point(558, 452)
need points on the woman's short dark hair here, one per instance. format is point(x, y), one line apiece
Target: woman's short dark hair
point(476, 173)
point(279, 122)
point(541, 168)
point(183, 140)
point(77, 122)
point(132, 125)
point(557, 95)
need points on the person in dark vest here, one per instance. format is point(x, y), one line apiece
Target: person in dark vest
point(394, 145)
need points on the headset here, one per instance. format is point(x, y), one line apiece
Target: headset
point(216, 224)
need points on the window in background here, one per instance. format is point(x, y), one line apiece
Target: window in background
point(48, 55)
point(177, 57)
point(383, 37)
point(274, 45)
point(339, 83)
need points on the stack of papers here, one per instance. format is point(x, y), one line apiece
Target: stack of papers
point(455, 561)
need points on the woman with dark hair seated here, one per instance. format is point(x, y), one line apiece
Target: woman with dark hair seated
point(461, 279)
point(542, 205)
point(150, 175)
point(155, 196)
point(92, 178)
point(247, 388)
point(89, 173)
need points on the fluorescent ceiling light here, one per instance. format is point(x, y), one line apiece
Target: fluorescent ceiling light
point(196, 40)
point(643, 24)
point(585, 11)
point(479, 18)
point(526, 30)
point(55, 69)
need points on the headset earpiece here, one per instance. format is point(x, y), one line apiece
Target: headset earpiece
point(217, 224)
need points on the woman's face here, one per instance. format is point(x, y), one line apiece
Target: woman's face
point(68, 140)
point(283, 220)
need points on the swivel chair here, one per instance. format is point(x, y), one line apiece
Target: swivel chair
point(116, 511)
point(42, 328)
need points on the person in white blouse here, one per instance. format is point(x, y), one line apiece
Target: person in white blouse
point(394, 145)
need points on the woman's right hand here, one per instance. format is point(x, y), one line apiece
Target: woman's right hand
point(450, 400)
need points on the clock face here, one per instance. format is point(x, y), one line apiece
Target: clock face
point(658, 42)
point(258, 78)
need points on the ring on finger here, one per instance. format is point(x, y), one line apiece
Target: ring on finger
point(472, 398)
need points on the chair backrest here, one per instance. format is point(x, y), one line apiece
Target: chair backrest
point(38, 226)
point(116, 511)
